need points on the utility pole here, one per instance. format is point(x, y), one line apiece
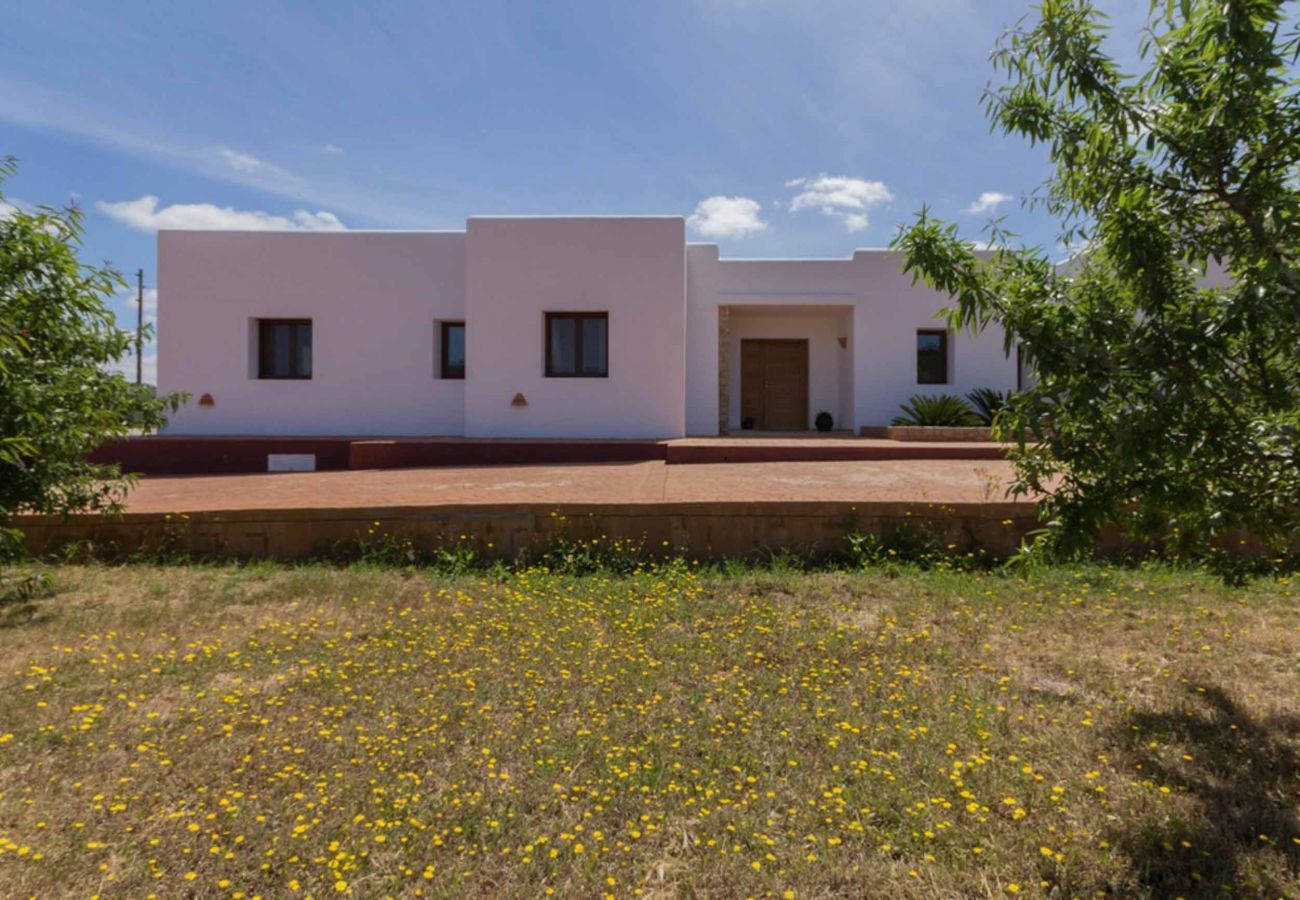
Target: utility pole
point(139, 326)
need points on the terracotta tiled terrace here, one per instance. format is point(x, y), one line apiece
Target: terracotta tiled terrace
point(651, 482)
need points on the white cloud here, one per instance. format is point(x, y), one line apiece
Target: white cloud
point(988, 202)
point(243, 162)
point(131, 299)
point(727, 217)
point(129, 131)
point(333, 150)
point(145, 215)
point(840, 197)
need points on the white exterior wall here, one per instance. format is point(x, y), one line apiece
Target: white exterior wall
point(887, 311)
point(885, 368)
point(830, 366)
point(520, 269)
point(372, 297)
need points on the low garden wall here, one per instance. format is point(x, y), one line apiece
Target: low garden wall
point(956, 433)
point(704, 531)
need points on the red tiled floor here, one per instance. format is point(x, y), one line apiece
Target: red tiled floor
point(211, 455)
point(936, 481)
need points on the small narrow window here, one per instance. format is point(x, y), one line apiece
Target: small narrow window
point(931, 357)
point(284, 348)
point(451, 350)
point(577, 345)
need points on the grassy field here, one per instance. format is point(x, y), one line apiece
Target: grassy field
point(260, 731)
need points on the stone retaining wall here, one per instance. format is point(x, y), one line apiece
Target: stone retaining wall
point(705, 531)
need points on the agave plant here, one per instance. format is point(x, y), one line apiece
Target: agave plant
point(987, 403)
point(936, 409)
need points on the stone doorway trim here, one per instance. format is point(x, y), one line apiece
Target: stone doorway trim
point(724, 369)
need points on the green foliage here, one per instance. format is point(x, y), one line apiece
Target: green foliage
point(568, 556)
point(1167, 389)
point(947, 410)
point(58, 402)
point(565, 555)
point(987, 403)
point(24, 589)
point(911, 546)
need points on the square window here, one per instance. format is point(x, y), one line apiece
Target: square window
point(577, 345)
point(451, 349)
point(284, 348)
point(931, 357)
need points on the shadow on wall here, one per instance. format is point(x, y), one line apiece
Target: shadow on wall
point(1242, 773)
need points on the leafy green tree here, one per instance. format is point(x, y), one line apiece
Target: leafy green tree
point(58, 400)
point(1167, 351)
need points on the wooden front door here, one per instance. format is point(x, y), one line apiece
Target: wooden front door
point(774, 384)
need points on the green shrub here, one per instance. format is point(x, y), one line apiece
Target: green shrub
point(947, 410)
point(911, 546)
point(987, 403)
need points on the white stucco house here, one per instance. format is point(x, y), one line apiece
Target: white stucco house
point(570, 327)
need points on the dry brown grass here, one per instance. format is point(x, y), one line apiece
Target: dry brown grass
point(228, 731)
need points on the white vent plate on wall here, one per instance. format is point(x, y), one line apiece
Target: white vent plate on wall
point(291, 462)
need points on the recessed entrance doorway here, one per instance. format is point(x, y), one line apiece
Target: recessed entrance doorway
point(774, 384)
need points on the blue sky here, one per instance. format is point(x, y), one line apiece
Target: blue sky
point(799, 128)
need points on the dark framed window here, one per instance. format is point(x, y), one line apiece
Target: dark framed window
point(284, 348)
point(451, 349)
point(577, 345)
point(931, 356)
